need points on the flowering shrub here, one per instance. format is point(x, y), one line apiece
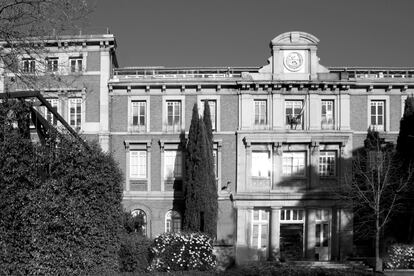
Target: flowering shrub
point(182, 251)
point(400, 256)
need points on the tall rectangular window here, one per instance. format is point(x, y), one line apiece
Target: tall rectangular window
point(52, 64)
point(76, 64)
point(173, 164)
point(29, 65)
point(327, 163)
point(260, 229)
point(327, 114)
point(138, 164)
point(294, 114)
point(378, 115)
point(260, 112)
point(138, 115)
point(52, 119)
point(294, 164)
point(174, 115)
point(75, 112)
point(212, 104)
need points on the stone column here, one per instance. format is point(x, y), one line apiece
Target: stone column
point(242, 244)
point(310, 234)
point(248, 168)
point(275, 233)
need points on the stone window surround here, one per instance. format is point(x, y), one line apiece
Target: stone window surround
point(145, 99)
point(137, 145)
point(386, 100)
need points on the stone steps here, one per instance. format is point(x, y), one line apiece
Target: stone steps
point(349, 265)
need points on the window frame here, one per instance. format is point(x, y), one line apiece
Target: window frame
point(52, 64)
point(47, 113)
point(28, 65)
point(302, 123)
point(293, 154)
point(200, 103)
point(262, 114)
point(137, 145)
point(170, 145)
point(173, 128)
point(139, 128)
point(328, 126)
point(78, 68)
point(81, 114)
point(261, 223)
point(322, 174)
point(386, 112)
point(169, 221)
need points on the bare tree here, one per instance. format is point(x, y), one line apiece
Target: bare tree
point(374, 189)
point(26, 27)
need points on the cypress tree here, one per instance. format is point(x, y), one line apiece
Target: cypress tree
point(200, 189)
point(405, 151)
point(211, 186)
point(191, 213)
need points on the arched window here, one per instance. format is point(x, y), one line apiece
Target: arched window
point(172, 221)
point(140, 221)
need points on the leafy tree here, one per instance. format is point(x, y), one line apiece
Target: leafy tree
point(200, 189)
point(60, 203)
point(374, 189)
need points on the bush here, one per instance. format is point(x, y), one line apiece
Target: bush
point(400, 256)
point(60, 202)
point(182, 251)
point(134, 255)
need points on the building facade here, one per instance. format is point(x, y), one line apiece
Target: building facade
point(284, 135)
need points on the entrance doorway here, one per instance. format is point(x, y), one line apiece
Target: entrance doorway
point(291, 234)
point(322, 235)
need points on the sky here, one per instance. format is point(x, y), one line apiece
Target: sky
point(238, 32)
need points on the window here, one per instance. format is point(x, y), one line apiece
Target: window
point(377, 115)
point(327, 166)
point(294, 164)
point(29, 65)
point(52, 64)
point(327, 114)
point(294, 114)
point(174, 115)
point(261, 164)
point(260, 112)
point(292, 215)
point(76, 64)
point(138, 164)
point(75, 112)
point(172, 164)
point(52, 119)
point(172, 221)
point(139, 114)
point(260, 229)
point(212, 104)
point(140, 221)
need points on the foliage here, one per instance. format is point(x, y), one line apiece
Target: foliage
point(405, 150)
point(134, 254)
point(182, 251)
point(375, 188)
point(274, 268)
point(200, 189)
point(60, 203)
point(400, 256)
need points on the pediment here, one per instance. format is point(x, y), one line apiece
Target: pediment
point(295, 38)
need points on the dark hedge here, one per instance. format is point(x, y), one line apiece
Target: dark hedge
point(60, 203)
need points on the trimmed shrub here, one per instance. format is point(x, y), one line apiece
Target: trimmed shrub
point(134, 255)
point(400, 256)
point(60, 202)
point(182, 251)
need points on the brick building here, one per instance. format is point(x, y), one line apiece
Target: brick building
point(284, 135)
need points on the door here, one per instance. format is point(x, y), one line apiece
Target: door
point(322, 235)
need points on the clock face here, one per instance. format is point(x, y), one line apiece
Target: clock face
point(293, 61)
